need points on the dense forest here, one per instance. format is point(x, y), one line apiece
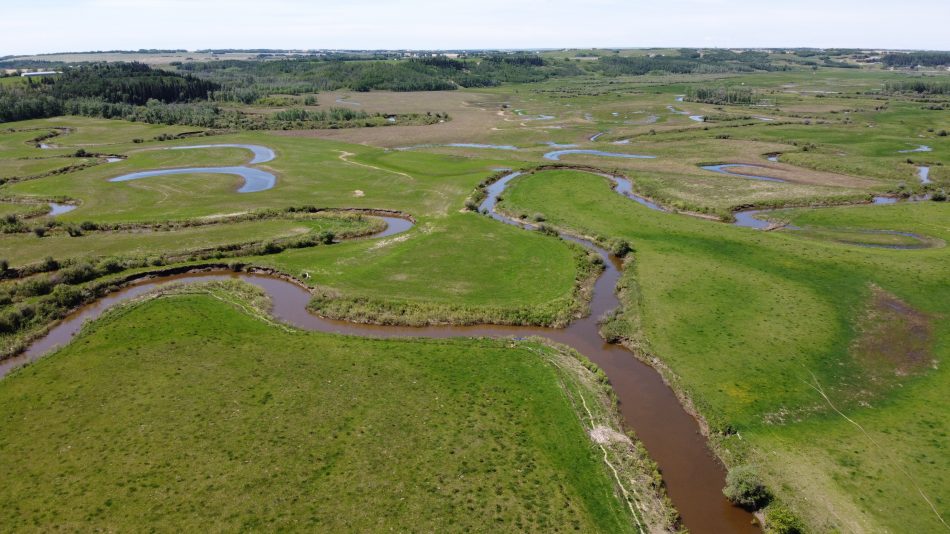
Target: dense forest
point(135, 92)
point(21, 103)
point(246, 80)
point(913, 59)
point(687, 62)
point(129, 84)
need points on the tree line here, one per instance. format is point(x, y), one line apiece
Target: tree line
point(127, 83)
point(913, 59)
point(241, 79)
point(99, 90)
point(716, 61)
point(720, 95)
point(918, 85)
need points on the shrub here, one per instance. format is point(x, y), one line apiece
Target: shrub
point(79, 273)
point(35, 287)
point(73, 230)
point(620, 248)
point(49, 264)
point(939, 196)
point(781, 520)
point(67, 296)
point(272, 247)
point(743, 487)
point(326, 237)
point(538, 217)
point(111, 265)
point(4, 265)
point(40, 231)
point(547, 229)
point(9, 322)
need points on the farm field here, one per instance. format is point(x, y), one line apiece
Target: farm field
point(777, 250)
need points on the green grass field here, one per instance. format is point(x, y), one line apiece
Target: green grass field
point(194, 421)
point(24, 249)
point(487, 272)
point(748, 320)
point(307, 172)
point(15, 208)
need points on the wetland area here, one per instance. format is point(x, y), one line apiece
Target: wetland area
point(450, 300)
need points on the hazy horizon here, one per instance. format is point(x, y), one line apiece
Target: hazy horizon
point(50, 26)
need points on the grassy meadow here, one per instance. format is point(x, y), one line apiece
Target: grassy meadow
point(749, 323)
point(817, 356)
point(196, 421)
point(27, 248)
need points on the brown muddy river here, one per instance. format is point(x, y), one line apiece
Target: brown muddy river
point(693, 475)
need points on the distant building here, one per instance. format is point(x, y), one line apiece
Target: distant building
point(39, 73)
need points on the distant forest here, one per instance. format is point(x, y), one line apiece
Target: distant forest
point(924, 86)
point(129, 84)
point(247, 80)
point(688, 62)
point(189, 92)
point(913, 59)
point(136, 92)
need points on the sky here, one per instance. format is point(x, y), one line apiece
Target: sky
point(43, 26)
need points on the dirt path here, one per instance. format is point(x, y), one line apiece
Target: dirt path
point(344, 155)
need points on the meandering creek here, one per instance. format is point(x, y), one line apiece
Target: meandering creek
point(920, 148)
point(255, 180)
point(59, 209)
point(555, 155)
point(723, 168)
point(694, 476)
point(697, 118)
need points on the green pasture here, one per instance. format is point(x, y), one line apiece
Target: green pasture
point(746, 320)
point(197, 421)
